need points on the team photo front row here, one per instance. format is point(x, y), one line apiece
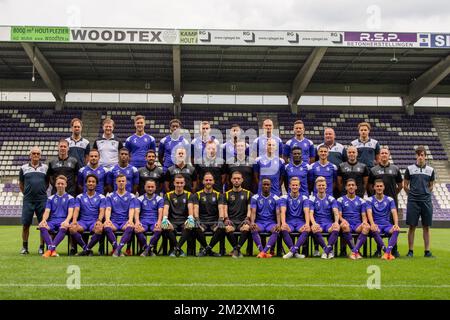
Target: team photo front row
point(237, 215)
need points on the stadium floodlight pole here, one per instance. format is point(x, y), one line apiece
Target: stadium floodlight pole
point(177, 97)
point(51, 79)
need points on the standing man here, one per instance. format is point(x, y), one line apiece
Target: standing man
point(199, 144)
point(297, 168)
point(352, 169)
point(119, 215)
point(307, 146)
point(259, 145)
point(265, 217)
point(368, 148)
point(229, 148)
point(79, 147)
point(294, 210)
point(242, 164)
point(151, 172)
point(336, 151)
point(352, 214)
point(270, 166)
point(66, 166)
point(57, 216)
point(178, 215)
point(33, 183)
point(168, 145)
point(236, 212)
point(181, 167)
point(419, 182)
point(92, 167)
point(393, 183)
point(108, 146)
point(139, 143)
point(126, 169)
point(212, 164)
point(322, 168)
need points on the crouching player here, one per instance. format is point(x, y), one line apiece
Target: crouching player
point(57, 215)
point(178, 215)
point(148, 217)
point(88, 215)
point(236, 212)
point(324, 214)
point(379, 209)
point(119, 214)
point(294, 210)
point(265, 217)
point(352, 214)
point(209, 217)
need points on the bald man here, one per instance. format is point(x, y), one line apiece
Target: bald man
point(259, 145)
point(336, 151)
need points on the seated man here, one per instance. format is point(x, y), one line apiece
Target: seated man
point(265, 217)
point(178, 215)
point(379, 209)
point(148, 217)
point(323, 208)
point(209, 217)
point(236, 212)
point(88, 215)
point(119, 215)
point(57, 215)
point(352, 214)
point(294, 210)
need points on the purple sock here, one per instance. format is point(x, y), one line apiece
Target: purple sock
point(59, 237)
point(272, 240)
point(331, 241)
point(319, 238)
point(111, 237)
point(155, 238)
point(94, 239)
point(361, 240)
point(300, 241)
point(287, 239)
point(79, 239)
point(126, 236)
point(142, 240)
point(377, 237)
point(257, 239)
point(46, 236)
point(348, 239)
point(392, 241)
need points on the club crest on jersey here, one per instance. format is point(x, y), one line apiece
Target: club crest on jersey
point(85, 200)
point(232, 197)
point(242, 197)
point(214, 199)
point(145, 202)
point(184, 200)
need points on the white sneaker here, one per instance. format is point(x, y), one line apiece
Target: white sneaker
point(331, 255)
point(288, 255)
point(324, 256)
point(316, 253)
point(299, 256)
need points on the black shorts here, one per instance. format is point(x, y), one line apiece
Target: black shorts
point(419, 209)
point(30, 208)
point(208, 226)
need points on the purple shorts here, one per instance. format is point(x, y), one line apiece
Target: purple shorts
point(325, 226)
point(148, 225)
point(354, 226)
point(295, 225)
point(54, 224)
point(266, 226)
point(385, 228)
point(87, 225)
point(119, 224)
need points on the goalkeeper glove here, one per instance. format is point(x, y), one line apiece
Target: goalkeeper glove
point(190, 222)
point(165, 223)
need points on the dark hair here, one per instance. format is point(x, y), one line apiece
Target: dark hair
point(378, 181)
point(91, 176)
point(175, 120)
point(350, 180)
point(421, 149)
point(179, 176)
point(296, 148)
point(150, 151)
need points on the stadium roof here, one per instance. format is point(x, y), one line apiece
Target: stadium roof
point(409, 65)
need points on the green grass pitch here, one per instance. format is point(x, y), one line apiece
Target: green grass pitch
point(33, 277)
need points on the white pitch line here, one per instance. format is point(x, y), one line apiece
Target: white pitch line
point(234, 285)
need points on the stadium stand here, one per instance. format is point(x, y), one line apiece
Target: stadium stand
point(25, 126)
